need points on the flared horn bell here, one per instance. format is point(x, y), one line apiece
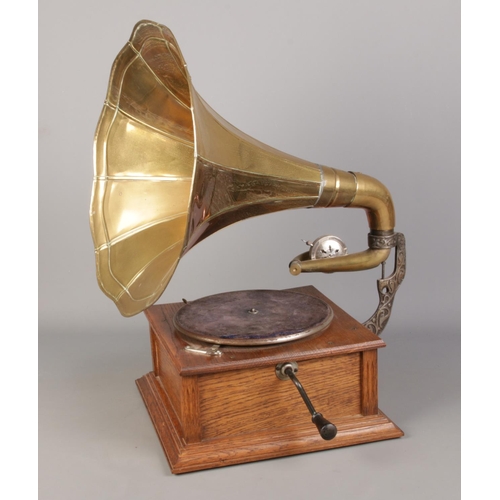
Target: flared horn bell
point(169, 172)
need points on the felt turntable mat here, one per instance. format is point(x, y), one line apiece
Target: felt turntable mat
point(253, 317)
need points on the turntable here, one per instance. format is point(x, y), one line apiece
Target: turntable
point(244, 375)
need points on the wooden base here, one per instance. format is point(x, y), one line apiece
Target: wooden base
point(216, 411)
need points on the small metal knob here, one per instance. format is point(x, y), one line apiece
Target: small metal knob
point(285, 371)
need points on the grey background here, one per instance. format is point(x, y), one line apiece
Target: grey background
point(359, 85)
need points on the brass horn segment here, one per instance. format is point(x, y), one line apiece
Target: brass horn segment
point(355, 190)
point(169, 171)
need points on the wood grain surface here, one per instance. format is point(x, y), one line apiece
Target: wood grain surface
point(212, 411)
point(344, 335)
point(259, 400)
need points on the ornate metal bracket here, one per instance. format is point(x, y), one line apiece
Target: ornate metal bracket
point(387, 287)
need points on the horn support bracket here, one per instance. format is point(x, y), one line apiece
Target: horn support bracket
point(387, 287)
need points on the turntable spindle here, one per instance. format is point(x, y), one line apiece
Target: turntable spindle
point(286, 371)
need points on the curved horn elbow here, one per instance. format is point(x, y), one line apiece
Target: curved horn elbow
point(375, 198)
point(354, 190)
point(357, 190)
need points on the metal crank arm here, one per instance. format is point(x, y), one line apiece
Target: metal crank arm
point(287, 371)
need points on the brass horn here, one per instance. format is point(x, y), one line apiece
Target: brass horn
point(169, 171)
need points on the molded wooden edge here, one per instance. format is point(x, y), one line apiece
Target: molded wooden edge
point(220, 452)
point(169, 437)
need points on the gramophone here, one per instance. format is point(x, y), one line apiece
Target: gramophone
point(225, 388)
